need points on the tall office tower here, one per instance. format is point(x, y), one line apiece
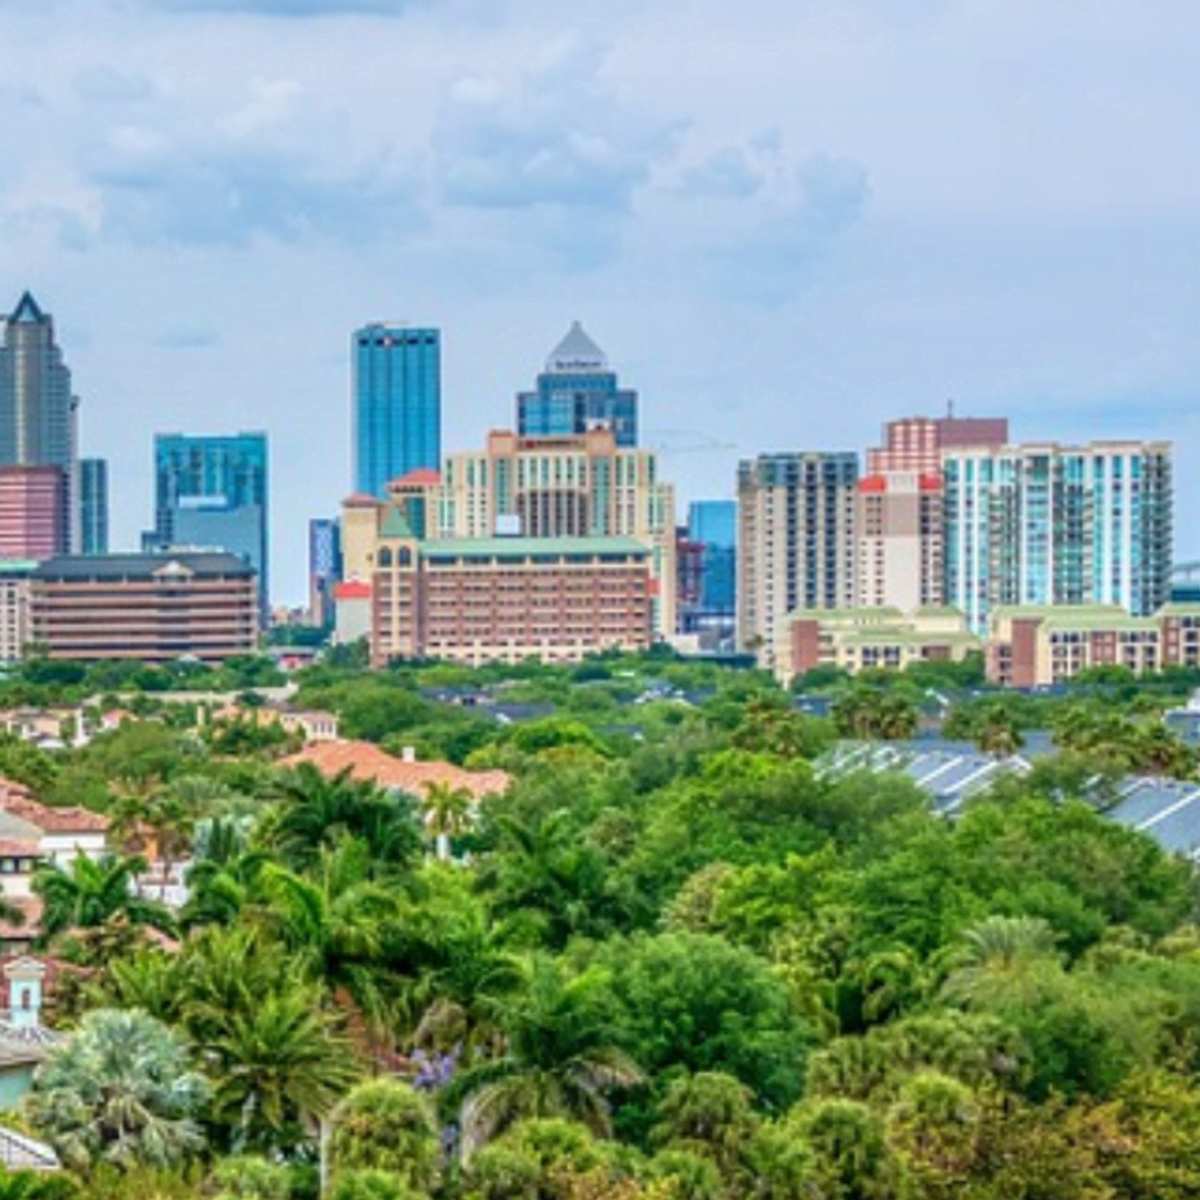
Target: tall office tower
point(900, 561)
point(583, 486)
point(397, 404)
point(37, 409)
point(93, 501)
point(212, 493)
point(31, 512)
point(795, 541)
point(1048, 524)
point(324, 568)
point(712, 531)
point(577, 392)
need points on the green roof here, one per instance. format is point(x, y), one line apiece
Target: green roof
point(866, 615)
point(1091, 620)
point(908, 637)
point(523, 547)
point(938, 610)
point(395, 524)
point(17, 566)
point(1180, 610)
point(1106, 612)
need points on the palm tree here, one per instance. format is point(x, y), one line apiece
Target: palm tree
point(337, 926)
point(448, 813)
point(90, 893)
point(316, 813)
point(279, 1066)
point(223, 877)
point(120, 1091)
point(558, 1059)
point(997, 950)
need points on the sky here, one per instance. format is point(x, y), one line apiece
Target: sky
point(786, 221)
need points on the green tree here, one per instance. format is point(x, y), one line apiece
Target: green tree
point(120, 1091)
point(385, 1125)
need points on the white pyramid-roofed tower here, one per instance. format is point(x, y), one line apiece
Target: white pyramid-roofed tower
point(576, 352)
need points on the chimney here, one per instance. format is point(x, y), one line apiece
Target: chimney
point(408, 754)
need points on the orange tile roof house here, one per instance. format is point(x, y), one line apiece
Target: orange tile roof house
point(368, 762)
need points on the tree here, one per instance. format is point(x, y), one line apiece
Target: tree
point(385, 1125)
point(852, 1159)
point(447, 815)
point(88, 894)
point(558, 1059)
point(278, 1066)
point(998, 947)
point(710, 1114)
point(120, 1091)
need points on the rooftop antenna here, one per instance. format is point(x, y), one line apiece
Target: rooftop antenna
point(950, 408)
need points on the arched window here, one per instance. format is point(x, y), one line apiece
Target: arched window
point(404, 557)
point(385, 557)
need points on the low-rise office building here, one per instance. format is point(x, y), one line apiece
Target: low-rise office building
point(1038, 646)
point(856, 639)
point(153, 608)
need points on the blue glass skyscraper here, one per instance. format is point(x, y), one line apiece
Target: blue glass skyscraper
point(577, 392)
point(93, 499)
point(713, 525)
point(397, 404)
point(212, 492)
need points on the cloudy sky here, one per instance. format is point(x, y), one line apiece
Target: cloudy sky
point(785, 220)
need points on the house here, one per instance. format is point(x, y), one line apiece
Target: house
point(367, 762)
point(24, 1040)
point(62, 833)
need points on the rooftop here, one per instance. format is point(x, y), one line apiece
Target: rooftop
point(576, 352)
point(523, 547)
point(66, 567)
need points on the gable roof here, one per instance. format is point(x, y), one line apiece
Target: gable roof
point(367, 762)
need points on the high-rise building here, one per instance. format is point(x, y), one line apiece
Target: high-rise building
point(37, 408)
point(93, 501)
point(397, 404)
point(324, 568)
point(212, 493)
point(795, 541)
point(582, 485)
point(916, 443)
point(1050, 524)
point(577, 392)
point(31, 512)
point(706, 599)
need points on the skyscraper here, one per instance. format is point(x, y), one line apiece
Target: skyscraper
point(37, 409)
point(1048, 524)
point(397, 404)
point(324, 568)
point(577, 392)
point(93, 501)
point(212, 493)
point(712, 530)
point(795, 541)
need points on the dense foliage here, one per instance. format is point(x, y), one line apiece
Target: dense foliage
point(676, 961)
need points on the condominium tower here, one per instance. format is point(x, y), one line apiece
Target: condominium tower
point(397, 404)
point(93, 505)
point(795, 540)
point(38, 410)
point(211, 492)
point(577, 392)
point(1049, 524)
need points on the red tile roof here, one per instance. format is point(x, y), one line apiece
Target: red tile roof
point(422, 477)
point(369, 763)
point(53, 820)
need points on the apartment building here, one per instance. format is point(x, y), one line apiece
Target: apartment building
point(1051, 524)
point(866, 638)
point(795, 541)
point(150, 607)
point(1032, 646)
point(480, 600)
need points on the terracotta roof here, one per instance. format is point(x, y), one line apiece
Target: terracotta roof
point(421, 477)
point(359, 500)
point(352, 589)
point(31, 907)
point(368, 762)
point(10, 787)
point(18, 848)
point(54, 820)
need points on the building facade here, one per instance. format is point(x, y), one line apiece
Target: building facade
point(397, 419)
point(38, 411)
point(151, 608)
point(1039, 646)
point(93, 500)
point(508, 599)
point(916, 443)
point(15, 632)
point(212, 493)
point(577, 392)
point(324, 568)
point(1049, 524)
point(899, 543)
point(796, 541)
point(577, 486)
point(32, 522)
point(872, 638)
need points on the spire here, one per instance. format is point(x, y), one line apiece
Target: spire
point(27, 311)
point(576, 352)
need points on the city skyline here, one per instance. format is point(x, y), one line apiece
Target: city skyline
point(834, 214)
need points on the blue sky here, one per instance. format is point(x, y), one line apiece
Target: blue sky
point(785, 220)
